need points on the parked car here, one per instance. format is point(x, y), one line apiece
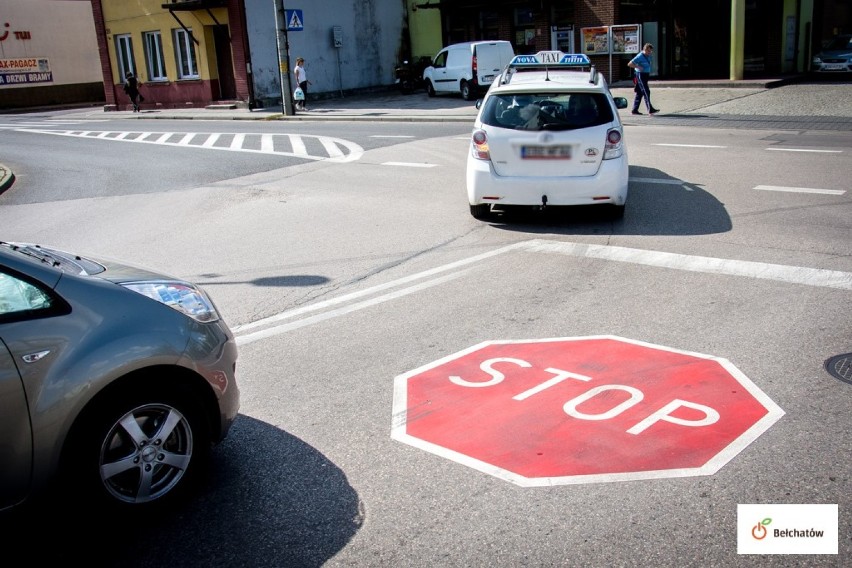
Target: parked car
point(835, 57)
point(548, 134)
point(115, 381)
point(468, 68)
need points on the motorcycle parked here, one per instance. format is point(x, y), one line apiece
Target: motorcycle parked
point(409, 75)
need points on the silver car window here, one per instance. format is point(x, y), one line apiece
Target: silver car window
point(16, 295)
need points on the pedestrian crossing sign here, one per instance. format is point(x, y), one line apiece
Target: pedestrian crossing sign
point(295, 22)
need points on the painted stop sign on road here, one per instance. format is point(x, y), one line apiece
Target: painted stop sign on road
point(581, 410)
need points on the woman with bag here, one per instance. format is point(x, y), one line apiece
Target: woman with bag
point(302, 81)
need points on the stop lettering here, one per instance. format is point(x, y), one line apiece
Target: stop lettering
point(580, 410)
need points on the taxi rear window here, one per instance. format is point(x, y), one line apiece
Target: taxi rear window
point(547, 111)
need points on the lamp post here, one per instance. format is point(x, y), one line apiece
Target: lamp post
point(287, 106)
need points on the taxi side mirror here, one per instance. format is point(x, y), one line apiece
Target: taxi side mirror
point(479, 103)
point(620, 102)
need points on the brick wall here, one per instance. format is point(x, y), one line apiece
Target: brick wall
point(103, 50)
point(239, 48)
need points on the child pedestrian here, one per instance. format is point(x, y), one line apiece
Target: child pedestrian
point(302, 81)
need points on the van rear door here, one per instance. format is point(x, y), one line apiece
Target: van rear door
point(491, 58)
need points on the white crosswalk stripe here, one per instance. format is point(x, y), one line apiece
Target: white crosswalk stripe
point(305, 146)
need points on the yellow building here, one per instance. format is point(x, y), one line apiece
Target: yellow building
point(185, 53)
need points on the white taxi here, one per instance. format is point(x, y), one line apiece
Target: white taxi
point(548, 134)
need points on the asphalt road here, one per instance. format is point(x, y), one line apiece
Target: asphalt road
point(344, 279)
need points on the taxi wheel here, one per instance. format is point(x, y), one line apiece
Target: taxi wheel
point(480, 211)
point(616, 212)
point(430, 89)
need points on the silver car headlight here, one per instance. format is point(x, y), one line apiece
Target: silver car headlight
point(181, 296)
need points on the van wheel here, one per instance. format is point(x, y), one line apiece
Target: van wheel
point(466, 91)
point(430, 89)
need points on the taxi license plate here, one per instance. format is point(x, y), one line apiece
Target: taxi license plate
point(834, 66)
point(546, 152)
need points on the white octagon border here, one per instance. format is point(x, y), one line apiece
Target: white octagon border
point(400, 421)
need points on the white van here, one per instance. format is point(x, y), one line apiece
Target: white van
point(467, 68)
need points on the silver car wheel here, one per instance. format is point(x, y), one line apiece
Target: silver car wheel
point(146, 453)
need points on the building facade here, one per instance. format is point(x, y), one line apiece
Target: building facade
point(185, 53)
point(713, 39)
point(48, 54)
point(348, 45)
point(196, 53)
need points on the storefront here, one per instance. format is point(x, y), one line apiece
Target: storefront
point(691, 39)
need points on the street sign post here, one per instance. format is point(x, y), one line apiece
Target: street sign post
point(581, 410)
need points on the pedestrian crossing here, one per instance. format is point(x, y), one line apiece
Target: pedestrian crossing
point(309, 147)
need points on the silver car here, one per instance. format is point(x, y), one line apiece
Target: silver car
point(115, 381)
point(835, 56)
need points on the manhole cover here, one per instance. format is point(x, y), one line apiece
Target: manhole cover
point(840, 366)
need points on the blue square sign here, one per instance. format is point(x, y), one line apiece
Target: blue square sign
point(295, 23)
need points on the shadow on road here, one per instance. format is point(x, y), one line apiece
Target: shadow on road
point(269, 500)
point(657, 204)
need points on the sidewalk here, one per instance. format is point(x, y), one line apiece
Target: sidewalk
point(772, 97)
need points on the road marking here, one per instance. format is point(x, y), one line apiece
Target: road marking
point(804, 150)
point(283, 328)
point(322, 148)
point(378, 288)
point(390, 136)
point(759, 270)
point(691, 145)
point(409, 164)
point(800, 189)
point(409, 284)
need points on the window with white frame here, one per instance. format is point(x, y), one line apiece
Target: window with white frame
point(185, 53)
point(154, 56)
point(124, 55)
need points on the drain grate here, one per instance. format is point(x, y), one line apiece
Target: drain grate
point(840, 367)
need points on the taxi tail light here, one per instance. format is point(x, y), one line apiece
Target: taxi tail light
point(614, 146)
point(479, 145)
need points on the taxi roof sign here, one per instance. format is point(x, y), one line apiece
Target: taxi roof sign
point(552, 58)
point(548, 61)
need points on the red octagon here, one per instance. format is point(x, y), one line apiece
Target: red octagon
point(581, 410)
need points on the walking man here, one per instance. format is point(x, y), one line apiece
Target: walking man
point(641, 65)
point(131, 87)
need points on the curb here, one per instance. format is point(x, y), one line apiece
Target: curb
point(7, 178)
